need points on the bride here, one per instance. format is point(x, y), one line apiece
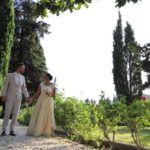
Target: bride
point(42, 121)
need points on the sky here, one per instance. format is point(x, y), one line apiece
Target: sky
point(79, 49)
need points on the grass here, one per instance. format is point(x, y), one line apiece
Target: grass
point(123, 135)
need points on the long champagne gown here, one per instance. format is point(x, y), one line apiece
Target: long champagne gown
point(42, 121)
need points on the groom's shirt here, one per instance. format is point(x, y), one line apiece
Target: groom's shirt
point(15, 86)
point(17, 78)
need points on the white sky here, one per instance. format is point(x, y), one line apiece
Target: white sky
point(79, 49)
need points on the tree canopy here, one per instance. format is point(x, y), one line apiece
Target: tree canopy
point(121, 3)
point(26, 46)
point(126, 63)
point(58, 6)
point(41, 8)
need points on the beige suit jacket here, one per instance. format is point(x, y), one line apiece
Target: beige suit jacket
point(14, 88)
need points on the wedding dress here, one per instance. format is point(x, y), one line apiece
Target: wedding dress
point(42, 121)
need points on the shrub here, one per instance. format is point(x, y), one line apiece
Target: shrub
point(110, 115)
point(1, 110)
point(25, 115)
point(86, 122)
point(78, 119)
point(137, 117)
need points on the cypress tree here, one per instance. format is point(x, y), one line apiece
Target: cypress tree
point(119, 64)
point(7, 27)
point(132, 53)
point(126, 64)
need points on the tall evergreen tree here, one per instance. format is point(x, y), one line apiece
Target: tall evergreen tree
point(119, 64)
point(126, 64)
point(145, 63)
point(6, 35)
point(132, 54)
point(27, 47)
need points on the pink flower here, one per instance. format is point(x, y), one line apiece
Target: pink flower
point(143, 98)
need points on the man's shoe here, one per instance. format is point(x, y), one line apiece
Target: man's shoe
point(3, 133)
point(12, 133)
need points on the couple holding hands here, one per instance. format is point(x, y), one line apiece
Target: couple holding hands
point(42, 121)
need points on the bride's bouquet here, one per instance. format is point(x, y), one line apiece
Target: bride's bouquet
point(48, 91)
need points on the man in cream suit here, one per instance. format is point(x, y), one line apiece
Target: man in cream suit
point(14, 87)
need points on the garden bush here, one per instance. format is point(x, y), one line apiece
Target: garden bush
point(92, 123)
point(25, 115)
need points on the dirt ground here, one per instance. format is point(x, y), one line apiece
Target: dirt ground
point(24, 142)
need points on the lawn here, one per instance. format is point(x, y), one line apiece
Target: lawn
point(123, 135)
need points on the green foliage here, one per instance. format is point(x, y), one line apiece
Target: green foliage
point(72, 112)
point(92, 123)
point(77, 119)
point(25, 115)
point(1, 110)
point(121, 3)
point(132, 54)
point(58, 6)
point(126, 64)
point(119, 62)
point(6, 36)
point(124, 135)
point(27, 42)
point(110, 116)
point(27, 47)
point(145, 63)
point(137, 117)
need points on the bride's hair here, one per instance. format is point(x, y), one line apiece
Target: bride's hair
point(50, 77)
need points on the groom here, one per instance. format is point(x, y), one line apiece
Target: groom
point(14, 87)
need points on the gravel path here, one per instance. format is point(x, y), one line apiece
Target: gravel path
point(24, 142)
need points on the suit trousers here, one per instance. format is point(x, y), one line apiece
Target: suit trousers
point(11, 107)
